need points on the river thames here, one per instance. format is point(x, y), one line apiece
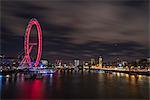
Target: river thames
point(66, 85)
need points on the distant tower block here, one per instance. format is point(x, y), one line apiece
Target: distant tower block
point(92, 61)
point(100, 62)
point(76, 63)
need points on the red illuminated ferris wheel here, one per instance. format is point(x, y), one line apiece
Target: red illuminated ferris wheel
point(29, 45)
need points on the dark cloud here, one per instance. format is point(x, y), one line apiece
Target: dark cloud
point(78, 29)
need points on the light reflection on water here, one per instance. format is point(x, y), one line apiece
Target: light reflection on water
point(76, 85)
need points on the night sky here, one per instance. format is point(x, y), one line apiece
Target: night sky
point(81, 29)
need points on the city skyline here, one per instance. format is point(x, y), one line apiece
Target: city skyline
point(74, 49)
point(78, 30)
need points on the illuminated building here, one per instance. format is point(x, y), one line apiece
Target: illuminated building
point(58, 63)
point(65, 65)
point(45, 62)
point(76, 63)
point(8, 61)
point(100, 62)
point(71, 65)
point(148, 60)
point(124, 63)
point(92, 61)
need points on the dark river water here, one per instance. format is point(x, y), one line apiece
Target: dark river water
point(75, 86)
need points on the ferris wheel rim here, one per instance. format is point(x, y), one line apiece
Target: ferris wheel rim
point(26, 42)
